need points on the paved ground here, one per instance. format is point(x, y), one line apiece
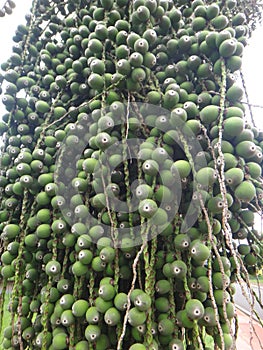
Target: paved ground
point(241, 301)
point(244, 335)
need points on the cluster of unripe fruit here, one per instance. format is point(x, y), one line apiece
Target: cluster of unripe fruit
point(118, 245)
point(7, 8)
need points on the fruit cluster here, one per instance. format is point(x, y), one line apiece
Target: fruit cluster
point(7, 8)
point(131, 175)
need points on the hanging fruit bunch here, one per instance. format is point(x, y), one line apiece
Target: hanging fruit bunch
point(131, 175)
point(7, 8)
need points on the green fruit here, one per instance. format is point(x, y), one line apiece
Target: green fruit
point(85, 256)
point(97, 264)
point(254, 169)
point(95, 46)
point(170, 99)
point(67, 318)
point(215, 205)
point(162, 287)
point(7, 271)
point(184, 320)
point(79, 269)
point(102, 305)
point(120, 301)
point(141, 45)
point(228, 47)
point(233, 126)
point(153, 97)
point(163, 194)
point(60, 341)
point(147, 208)
point(43, 231)
point(198, 23)
point(182, 167)
point(182, 241)
point(82, 345)
point(42, 106)
point(210, 316)
point(234, 93)
point(212, 11)
point(234, 176)
point(80, 307)
point(107, 292)
point(96, 81)
point(150, 167)
point(112, 317)
point(10, 231)
point(243, 249)
point(166, 327)
point(209, 114)
point(221, 297)
point(178, 269)
point(250, 259)
point(92, 315)
point(206, 176)
point(245, 191)
point(144, 191)
point(107, 254)
point(136, 317)
point(227, 339)
point(246, 149)
point(123, 67)
point(92, 332)
point(199, 251)
point(220, 281)
point(142, 302)
point(203, 284)
point(176, 344)
point(53, 268)
point(219, 22)
point(194, 309)
point(137, 346)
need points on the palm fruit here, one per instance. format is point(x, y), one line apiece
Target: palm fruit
point(165, 327)
point(120, 301)
point(245, 191)
point(136, 317)
point(92, 333)
point(234, 176)
point(194, 309)
point(206, 176)
point(209, 114)
point(91, 228)
point(176, 344)
point(79, 308)
point(162, 286)
point(228, 341)
point(220, 281)
point(199, 251)
point(92, 315)
point(137, 346)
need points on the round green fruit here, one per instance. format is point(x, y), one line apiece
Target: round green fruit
point(209, 114)
point(245, 192)
point(199, 251)
point(137, 346)
point(112, 317)
point(206, 176)
point(92, 332)
point(80, 307)
point(60, 341)
point(136, 317)
point(147, 208)
point(194, 309)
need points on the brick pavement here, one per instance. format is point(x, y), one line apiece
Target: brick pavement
point(243, 339)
